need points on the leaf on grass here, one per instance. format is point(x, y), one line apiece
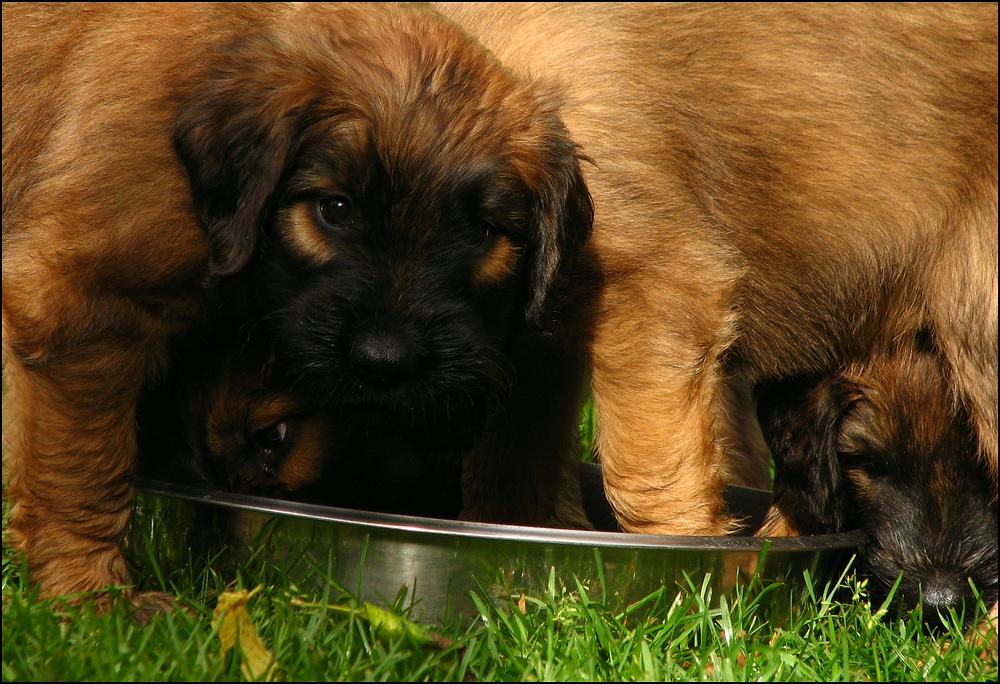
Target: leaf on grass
point(236, 627)
point(387, 624)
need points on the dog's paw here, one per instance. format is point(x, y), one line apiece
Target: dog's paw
point(141, 606)
point(776, 524)
point(150, 603)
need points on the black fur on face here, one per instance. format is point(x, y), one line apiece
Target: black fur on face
point(407, 205)
point(882, 446)
point(399, 318)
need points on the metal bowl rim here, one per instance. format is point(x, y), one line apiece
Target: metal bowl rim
point(458, 528)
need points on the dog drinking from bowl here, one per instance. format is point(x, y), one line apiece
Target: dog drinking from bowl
point(228, 420)
point(880, 445)
point(779, 191)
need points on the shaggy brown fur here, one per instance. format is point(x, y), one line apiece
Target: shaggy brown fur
point(778, 189)
point(367, 178)
point(880, 445)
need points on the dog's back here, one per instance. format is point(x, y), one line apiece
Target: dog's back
point(778, 189)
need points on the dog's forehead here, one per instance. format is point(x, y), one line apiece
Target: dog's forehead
point(382, 167)
point(907, 412)
point(417, 136)
point(414, 167)
point(417, 91)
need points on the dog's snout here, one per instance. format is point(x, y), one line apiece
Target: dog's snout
point(943, 590)
point(942, 595)
point(385, 359)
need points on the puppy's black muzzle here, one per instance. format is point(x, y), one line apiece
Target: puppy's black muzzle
point(385, 360)
point(939, 583)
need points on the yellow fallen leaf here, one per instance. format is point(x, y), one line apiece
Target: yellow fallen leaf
point(236, 627)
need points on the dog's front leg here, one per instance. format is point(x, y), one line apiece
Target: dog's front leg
point(70, 449)
point(659, 399)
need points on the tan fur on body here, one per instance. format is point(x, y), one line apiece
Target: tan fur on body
point(777, 189)
point(77, 344)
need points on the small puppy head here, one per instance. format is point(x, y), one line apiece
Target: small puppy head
point(410, 202)
point(881, 446)
point(259, 441)
point(242, 429)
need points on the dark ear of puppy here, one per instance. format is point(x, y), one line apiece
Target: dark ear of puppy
point(800, 420)
point(233, 136)
point(565, 217)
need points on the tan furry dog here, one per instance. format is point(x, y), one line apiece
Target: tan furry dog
point(777, 189)
point(367, 180)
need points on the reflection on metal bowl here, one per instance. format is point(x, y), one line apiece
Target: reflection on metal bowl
point(374, 555)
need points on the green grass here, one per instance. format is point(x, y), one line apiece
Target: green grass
point(563, 634)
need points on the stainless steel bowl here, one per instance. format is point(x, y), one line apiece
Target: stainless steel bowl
point(439, 562)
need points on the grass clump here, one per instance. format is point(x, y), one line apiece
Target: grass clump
point(565, 632)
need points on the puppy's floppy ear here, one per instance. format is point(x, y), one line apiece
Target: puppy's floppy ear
point(565, 217)
point(800, 420)
point(234, 135)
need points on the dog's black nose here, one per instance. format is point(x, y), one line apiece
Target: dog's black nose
point(384, 360)
point(942, 591)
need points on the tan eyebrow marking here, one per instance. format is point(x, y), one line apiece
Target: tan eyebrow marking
point(307, 239)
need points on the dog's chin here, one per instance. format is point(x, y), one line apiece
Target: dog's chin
point(455, 431)
point(449, 435)
point(436, 414)
point(938, 584)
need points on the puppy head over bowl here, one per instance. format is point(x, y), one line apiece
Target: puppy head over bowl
point(343, 489)
point(881, 446)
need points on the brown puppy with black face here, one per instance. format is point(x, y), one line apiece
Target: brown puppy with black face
point(880, 445)
point(367, 180)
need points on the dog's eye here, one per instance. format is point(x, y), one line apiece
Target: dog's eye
point(485, 234)
point(271, 438)
point(334, 211)
point(873, 462)
point(865, 457)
